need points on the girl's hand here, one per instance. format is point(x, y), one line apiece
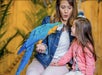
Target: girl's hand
point(54, 64)
point(40, 48)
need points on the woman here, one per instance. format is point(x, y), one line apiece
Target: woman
point(55, 45)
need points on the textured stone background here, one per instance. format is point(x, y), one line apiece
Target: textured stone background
point(19, 17)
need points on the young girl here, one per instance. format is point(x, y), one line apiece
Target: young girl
point(82, 48)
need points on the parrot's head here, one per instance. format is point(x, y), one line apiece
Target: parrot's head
point(54, 27)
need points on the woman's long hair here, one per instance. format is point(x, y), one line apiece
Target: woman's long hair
point(57, 16)
point(84, 33)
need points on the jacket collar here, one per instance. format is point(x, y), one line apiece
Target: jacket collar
point(60, 27)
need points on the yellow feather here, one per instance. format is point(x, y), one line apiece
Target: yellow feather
point(39, 42)
point(52, 30)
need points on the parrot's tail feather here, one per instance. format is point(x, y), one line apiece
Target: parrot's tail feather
point(25, 59)
point(21, 49)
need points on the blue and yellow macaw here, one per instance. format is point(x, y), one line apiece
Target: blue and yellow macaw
point(37, 36)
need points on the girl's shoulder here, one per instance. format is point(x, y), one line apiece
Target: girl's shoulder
point(74, 42)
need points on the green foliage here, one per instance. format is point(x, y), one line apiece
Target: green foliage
point(3, 50)
point(43, 3)
point(3, 14)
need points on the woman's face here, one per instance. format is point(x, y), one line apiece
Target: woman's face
point(73, 29)
point(65, 10)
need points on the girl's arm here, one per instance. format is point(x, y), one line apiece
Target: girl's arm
point(67, 57)
point(90, 62)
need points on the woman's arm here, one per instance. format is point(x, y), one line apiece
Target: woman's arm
point(42, 48)
point(45, 21)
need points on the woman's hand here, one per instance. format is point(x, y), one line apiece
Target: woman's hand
point(40, 48)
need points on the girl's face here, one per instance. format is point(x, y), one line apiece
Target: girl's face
point(73, 29)
point(65, 10)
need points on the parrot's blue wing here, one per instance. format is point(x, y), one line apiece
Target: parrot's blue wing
point(28, 41)
point(25, 59)
point(35, 35)
point(38, 33)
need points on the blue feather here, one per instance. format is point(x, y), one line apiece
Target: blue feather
point(25, 59)
point(38, 33)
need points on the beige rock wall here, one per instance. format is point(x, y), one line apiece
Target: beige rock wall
point(93, 11)
point(24, 16)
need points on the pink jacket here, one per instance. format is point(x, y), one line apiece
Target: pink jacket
point(86, 62)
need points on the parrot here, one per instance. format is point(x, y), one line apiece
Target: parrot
point(37, 35)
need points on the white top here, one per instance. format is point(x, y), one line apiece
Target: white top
point(63, 45)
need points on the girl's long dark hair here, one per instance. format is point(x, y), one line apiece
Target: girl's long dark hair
point(57, 16)
point(84, 33)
